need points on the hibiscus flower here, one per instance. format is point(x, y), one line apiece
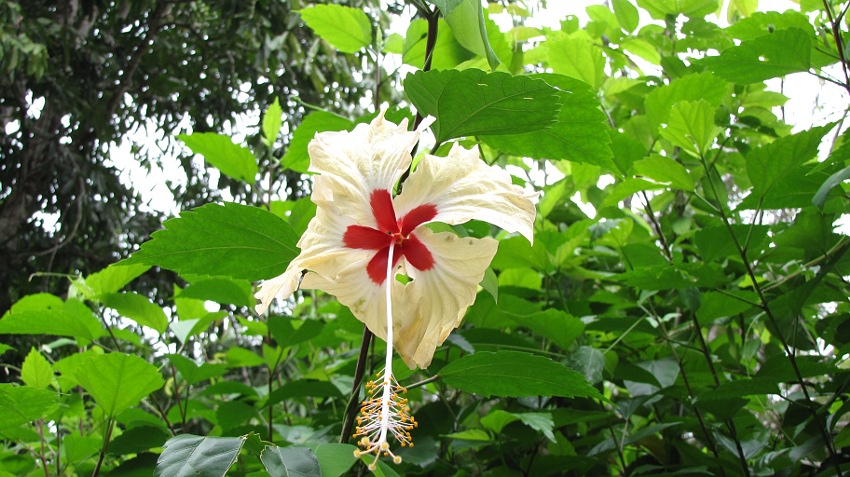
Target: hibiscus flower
point(363, 236)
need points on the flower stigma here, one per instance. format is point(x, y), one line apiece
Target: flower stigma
point(384, 411)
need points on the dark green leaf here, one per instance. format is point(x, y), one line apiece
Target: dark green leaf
point(138, 439)
point(232, 240)
point(772, 162)
point(579, 135)
point(514, 374)
point(220, 290)
point(290, 462)
point(769, 56)
point(832, 182)
point(186, 455)
point(335, 459)
point(472, 102)
point(287, 335)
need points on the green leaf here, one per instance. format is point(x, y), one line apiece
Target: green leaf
point(290, 462)
point(287, 335)
point(769, 164)
point(769, 56)
point(577, 56)
point(514, 374)
point(665, 170)
point(627, 14)
point(138, 439)
point(694, 87)
point(347, 29)
point(193, 373)
point(691, 126)
point(660, 9)
point(335, 459)
point(219, 150)
point(197, 456)
point(296, 157)
point(232, 240)
point(36, 372)
point(22, 404)
point(109, 280)
point(45, 314)
point(580, 133)
point(476, 435)
point(472, 102)
point(447, 52)
point(556, 325)
point(832, 182)
point(138, 308)
point(117, 381)
point(272, 123)
point(220, 290)
point(466, 19)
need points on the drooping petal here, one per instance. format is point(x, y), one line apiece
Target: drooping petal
point(354, 163)
point(435, 301)
point(462, 187)
point(322, 250)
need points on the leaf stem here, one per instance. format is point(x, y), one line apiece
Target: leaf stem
point(110, 424)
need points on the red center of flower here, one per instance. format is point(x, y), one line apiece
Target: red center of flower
point(391, 230)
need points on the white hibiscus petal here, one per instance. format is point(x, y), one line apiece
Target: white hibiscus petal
point(463, 187)
point(434, 303)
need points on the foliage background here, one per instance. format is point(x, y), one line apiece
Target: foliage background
point(690, 318)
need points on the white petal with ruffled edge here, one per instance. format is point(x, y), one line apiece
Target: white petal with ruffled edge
point(435, 301)
point(463, 188)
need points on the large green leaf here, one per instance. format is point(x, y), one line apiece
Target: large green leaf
point(118, 381)
point(472, 102)
point(290, 462)
point(347, 29)
point(515, 374)
point(219, 150)
point(466, 19)
point(286, 334)
point(22, 404)
point(579, 135)
point(769, 164)
point(232, 240)
point(296, 157)
point(556, 325)
point(138, 308)
point(45, 314)
point(197, 456)
point(626, 13)
point(768, 56)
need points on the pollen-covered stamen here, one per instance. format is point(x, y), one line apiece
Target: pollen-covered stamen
point(374, 425)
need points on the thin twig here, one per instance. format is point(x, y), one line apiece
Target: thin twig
point(351, 408)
